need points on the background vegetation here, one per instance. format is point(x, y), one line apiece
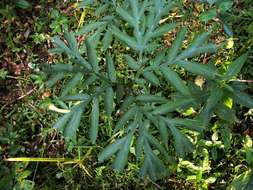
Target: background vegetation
point(222, 158)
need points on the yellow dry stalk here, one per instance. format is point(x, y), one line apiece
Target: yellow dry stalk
point(83, 14)
point(85, 170)
point(82, 17)
point(33, 159)
point(79, 163)
point(81, 20)
point(52, 107)
point(60, 161)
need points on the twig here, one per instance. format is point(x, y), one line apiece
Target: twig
point(16, 78)
point(244, 18)
point(158, 186)
point(28, 93)
point(19, 98)
point(238, 80)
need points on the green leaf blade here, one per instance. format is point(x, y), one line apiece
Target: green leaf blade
point(126, 116)
point(126, 16)
point(131, 62)
point(94, 120)
point(109, 97)
point(173, 78)
point(62, 121)
point(172, 106)
point(92, 57)
point(122, 156)
point(216, 94)
point(71, 84)
point(151, 77)
point(110, 68)
point(163, 29)
point(89, 27)
point(198, 69)
point(182, 144)
point(235, 67)
point(73, 124)
point(150, 98)
point(131, 42)
point(176, 45)
point(111, 149)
